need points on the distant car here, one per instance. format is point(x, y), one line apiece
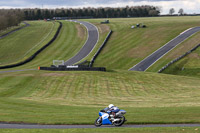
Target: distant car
point(48, 19)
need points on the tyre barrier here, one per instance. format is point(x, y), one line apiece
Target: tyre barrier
point(36, 53)
point(177, 59)
point(99, 50)
point(64, 68)
point(5, 35)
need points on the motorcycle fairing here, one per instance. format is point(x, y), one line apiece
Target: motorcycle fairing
point(105, 118)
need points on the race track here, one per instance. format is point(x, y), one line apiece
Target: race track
point(5, 35)
point(32, 126)
point(93, 37)
point(9, 71)
point(150, 60)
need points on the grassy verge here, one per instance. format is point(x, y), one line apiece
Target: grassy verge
point(103, 32)
point(76, 97)
point(24, 43)
point(108, 130)
point(188, 66)
point(178, 51)
point(64, 47)
point(127, 46)
point(11, 29)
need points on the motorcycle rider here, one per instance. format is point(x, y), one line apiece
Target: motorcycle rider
point(112, 110)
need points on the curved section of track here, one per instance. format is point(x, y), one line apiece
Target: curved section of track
point(93, 37)
point(32, 126)
point(154, 57)
point(5, 35)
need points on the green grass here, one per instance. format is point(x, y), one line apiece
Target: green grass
point(76, 97)
point(127, 46)
point(188, 66)
point(22, 44)
point(64, 47)
point(103, 33)
point(11, 29)
point(107, 130)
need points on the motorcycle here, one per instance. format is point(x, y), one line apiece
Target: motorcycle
point(105, 118)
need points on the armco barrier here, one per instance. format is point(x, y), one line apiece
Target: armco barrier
point(73, 69)
point(177, 59)
point(99, 50)
point(36, 53)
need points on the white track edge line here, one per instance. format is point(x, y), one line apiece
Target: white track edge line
point(169, 51)
point(86, 40)
point(159, 49)
point(94, 45)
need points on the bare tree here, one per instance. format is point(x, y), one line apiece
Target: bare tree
point(171, 11)
point(181, 11)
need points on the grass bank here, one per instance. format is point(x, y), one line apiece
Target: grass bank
point(22, 44)
point(70, 40)
point(108, 130)
point(127, 46)
point(9, 29)
point(76, 97)
point(188, 66)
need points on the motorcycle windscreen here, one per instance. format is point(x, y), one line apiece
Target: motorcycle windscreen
point(105, 120)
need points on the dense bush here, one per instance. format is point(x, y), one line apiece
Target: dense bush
point(10, 17)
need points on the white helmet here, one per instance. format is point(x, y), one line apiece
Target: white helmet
point(111, 105)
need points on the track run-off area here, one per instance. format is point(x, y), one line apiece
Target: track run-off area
point(151, 59)
point(32, 126)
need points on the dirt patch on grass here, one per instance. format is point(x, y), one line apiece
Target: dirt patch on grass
point(185, 47)
point(141, 52)
point(194, 56)
point(81, 31)
point(103, 28)
point(26, 75)
point(54, 74)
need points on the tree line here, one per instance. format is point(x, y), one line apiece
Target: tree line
point(10, 17)
point(108, 12)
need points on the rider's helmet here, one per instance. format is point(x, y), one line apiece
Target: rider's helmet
point(111, 105)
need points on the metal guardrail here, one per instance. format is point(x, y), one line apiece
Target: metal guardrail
point(99, 50)
point(177, 59)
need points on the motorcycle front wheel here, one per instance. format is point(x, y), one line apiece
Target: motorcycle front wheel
point(120, 122)
point(98, 123)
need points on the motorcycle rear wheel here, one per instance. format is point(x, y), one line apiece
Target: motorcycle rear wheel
point(98, 124)
point(121, 122)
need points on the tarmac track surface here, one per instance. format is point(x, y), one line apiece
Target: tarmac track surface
point(154, 57)
point(93, 37)
point(5, 35)
point(9, 71)
point(32, 126)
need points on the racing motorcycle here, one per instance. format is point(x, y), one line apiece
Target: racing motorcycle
point(105, 118)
